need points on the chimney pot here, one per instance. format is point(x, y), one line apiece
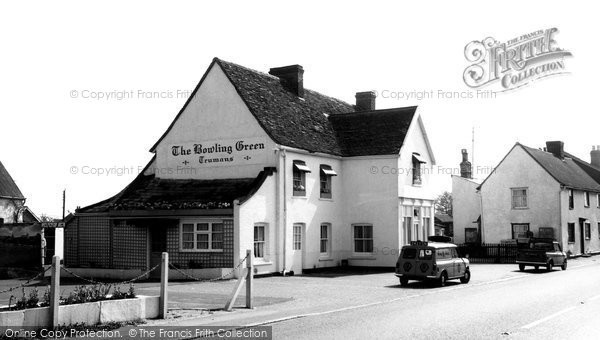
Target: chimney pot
point(465, 165)
point(595, 156)
point(291, 78)
point(365, 101)
point(557, 148)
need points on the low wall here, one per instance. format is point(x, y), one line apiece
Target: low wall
point(91, 313)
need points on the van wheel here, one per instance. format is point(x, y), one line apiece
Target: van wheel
point(521, 267)
point(536, 268)
point(466, 278)
point(403, 281)
point(549, 266)
point(564, 265)
point(443, 279)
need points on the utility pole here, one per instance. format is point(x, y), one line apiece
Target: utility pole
point(473, 169)
point(64, 195)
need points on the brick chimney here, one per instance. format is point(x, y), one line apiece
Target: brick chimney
point(465, 165)
point(365, 101)
point(595, 155)
point(557, 148)
point(291, 77)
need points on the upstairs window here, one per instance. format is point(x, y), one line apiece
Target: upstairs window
point(586, 199)
point(299, 177)
point(326, 175)
point(571, 200)
point(519, 198)
point(417, 171)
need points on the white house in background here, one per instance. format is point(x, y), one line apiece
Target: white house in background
point(255, 161)
point(466, 204)
point(549, 193)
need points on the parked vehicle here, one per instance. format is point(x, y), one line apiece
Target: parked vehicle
point(541, 252)
point(431, 261)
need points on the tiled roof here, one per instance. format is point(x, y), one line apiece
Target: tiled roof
point(316, 122)
point(444, 218)
point(8, 187)
point(566, 171)
point(151, 193)
point(372, 133)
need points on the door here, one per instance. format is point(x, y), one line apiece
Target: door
point(298, 248)
point(158, 245)
point(582, 235)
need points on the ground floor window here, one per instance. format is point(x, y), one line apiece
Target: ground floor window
point(297, 236)
point(520, 230)
point(201, 235)
point(588, 230)
point(325, 238)
point(571, 232)
point(471, 235)
point(363, 238)
point(598, 229)
point(259, 240)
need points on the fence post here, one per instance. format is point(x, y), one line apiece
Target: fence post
point(250, 275)
point(164, 285)
point(55, 289)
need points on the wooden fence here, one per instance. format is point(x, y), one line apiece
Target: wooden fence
point(489, 252)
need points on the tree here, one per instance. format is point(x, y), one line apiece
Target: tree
point(443, 203)
point(46, 218)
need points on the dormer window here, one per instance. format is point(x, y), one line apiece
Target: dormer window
point(326, 175)
point(417, 160)
point(299, 177)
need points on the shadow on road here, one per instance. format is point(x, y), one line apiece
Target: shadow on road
point(423, 285)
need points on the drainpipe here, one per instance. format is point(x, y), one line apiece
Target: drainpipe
point(283, 190)
point(481, 220)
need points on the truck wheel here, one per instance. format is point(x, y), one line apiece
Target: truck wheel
point(549, 266)
point(443, 279)
point(521, 267)
point(564, 265)
point(536, 267)
point(403, 281)
point(466, 278)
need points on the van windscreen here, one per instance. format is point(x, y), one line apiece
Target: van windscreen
point(409, 253)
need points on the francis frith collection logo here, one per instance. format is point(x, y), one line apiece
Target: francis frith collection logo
point(515, 63)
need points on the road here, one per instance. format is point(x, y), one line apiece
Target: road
point(531, 305)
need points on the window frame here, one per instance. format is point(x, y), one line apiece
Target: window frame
point(299, 170)
point(326, 174)
point(327, 239)
point(210, 232)
point(570, 235)
point(522, 198)
point(586, 199)
point(263, 242)
point(571, 195)
point(364, 240)
point(519, 224)
point(597, 200)
point(417, 178)
point(587, 230)
point(297, 237)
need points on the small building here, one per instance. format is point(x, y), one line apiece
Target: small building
point(20, 231)
point(466, 204)
point(256, 161)
point(544, 193)
point(443, 225)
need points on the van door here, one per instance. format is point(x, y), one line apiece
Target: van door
point(444, 261)
point(408, 261)
point(459, 266)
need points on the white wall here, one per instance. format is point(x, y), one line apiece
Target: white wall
point(591, 213)
point(415, 142)
point(466, 206)
point(216, 112)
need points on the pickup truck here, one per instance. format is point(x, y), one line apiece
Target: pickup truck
point(541, 252)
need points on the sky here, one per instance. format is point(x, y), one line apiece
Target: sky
point(144, 57)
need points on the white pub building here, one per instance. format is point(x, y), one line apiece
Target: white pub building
point(256, 161)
